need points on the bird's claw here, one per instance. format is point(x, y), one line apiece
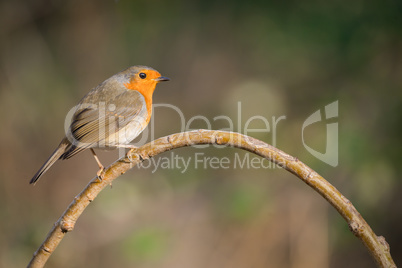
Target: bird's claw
point(132, 156)
point(100, 174)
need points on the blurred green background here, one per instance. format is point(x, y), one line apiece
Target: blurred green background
point(286, 58)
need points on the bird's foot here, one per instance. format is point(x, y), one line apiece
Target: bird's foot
point(100, 174)
point(134, 157)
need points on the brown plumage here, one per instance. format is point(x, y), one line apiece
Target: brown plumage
point(111, 115)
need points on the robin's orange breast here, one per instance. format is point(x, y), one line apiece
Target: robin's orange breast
point(146, 91)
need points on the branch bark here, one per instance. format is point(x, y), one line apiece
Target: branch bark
point(376, 245)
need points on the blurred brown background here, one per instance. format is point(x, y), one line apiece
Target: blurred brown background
point(289, 58)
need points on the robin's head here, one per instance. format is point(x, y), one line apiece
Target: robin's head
point(143, 78)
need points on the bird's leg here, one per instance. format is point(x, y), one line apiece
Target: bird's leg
point(128, 146)
point(101, 167)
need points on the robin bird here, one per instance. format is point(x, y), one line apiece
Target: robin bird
point(111, 115)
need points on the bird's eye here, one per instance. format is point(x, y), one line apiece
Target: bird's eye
point(142, 75)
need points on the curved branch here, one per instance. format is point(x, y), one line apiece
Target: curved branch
point(376, 245)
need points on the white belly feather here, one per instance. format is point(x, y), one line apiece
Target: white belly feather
point(134, 128)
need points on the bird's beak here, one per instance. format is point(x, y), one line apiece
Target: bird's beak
point(161, 79)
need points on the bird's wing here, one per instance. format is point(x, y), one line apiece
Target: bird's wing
point(93, 123)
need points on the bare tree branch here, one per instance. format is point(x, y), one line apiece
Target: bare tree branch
point(376, 245)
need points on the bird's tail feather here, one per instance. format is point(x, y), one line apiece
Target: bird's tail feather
point(52, 159)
